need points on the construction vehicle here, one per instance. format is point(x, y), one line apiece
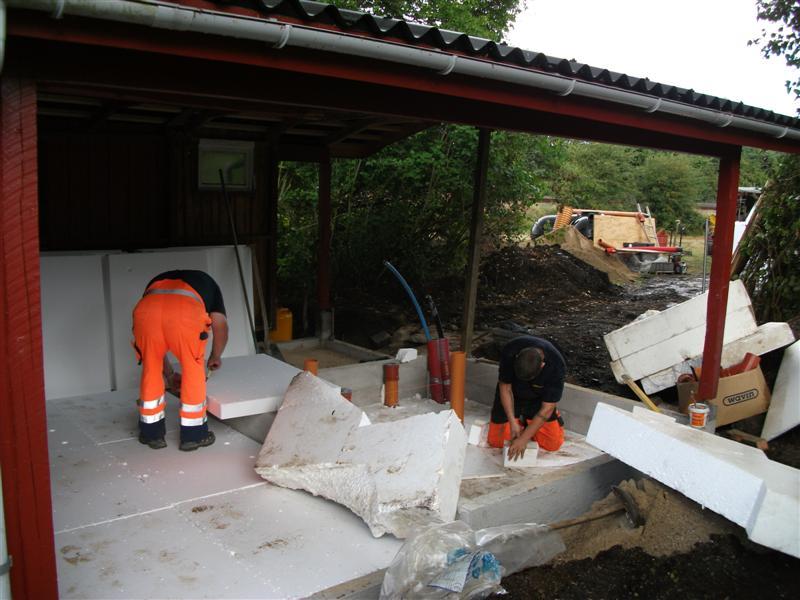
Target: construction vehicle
point(631, 235)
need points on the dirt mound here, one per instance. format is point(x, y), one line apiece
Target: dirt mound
point(539, 270)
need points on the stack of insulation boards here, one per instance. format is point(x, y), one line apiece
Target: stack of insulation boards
point(88, 299)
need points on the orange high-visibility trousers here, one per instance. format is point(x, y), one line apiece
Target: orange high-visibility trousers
point(550, 436)
point(171, 317)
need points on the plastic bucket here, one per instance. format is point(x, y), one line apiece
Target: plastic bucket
point(698, 415)
point(283, 326)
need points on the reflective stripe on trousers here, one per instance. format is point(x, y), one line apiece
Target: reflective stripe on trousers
point(152, 411)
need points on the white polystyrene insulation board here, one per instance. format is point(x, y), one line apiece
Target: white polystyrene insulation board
point(784, 408)
point(768, 337)
point(248, 385)
point(75, 335)
point(311, 426)
point(644, 333)
point(662, 355)
point(734, 480)
point(129, 274)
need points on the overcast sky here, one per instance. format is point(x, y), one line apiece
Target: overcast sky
point(698, 44)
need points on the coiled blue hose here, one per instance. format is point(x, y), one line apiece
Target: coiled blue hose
point(407, 288)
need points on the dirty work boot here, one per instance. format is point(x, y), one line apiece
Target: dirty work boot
point(206, 441)
point(154, 443)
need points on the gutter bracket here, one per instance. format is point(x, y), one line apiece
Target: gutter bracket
point(450, 66)
point(569, 88)
point(655, 106)
point(286, 31)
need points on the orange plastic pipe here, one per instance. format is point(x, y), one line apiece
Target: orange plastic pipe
point(311, 365)
point(458, 373)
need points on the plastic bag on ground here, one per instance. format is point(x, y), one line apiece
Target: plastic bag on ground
point(453, 561)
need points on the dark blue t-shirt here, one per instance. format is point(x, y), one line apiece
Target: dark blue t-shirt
point(202, 283)
point(547, 386)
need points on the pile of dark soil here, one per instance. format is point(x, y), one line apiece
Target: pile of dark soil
point(722, 568)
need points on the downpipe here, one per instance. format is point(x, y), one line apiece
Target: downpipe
point(279, 35)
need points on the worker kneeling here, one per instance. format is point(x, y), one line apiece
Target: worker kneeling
point(530, 384)
point(176, 314)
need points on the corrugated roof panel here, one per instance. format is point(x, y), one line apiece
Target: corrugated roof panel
point(451, 41)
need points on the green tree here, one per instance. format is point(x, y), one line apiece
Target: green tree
point(783, 41)
point(668, 184)
point(597, 176)
point(772, 267)
point(490, 20)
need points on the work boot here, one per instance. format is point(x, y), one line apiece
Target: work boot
point(154, 443)
point(194, 445)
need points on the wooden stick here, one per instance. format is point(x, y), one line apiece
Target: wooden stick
point(638, 391)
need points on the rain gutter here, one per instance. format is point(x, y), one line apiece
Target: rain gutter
point(280, 35)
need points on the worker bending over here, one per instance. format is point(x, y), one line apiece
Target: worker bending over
point(175, 315)
point(530, 384)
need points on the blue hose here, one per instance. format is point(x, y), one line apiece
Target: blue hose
point(405, 285)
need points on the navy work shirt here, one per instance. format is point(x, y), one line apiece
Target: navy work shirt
point(547, 386)
point(202, 283)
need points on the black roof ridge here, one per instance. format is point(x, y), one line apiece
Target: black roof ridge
point(453, 41)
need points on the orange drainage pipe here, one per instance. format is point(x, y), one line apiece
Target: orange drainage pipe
point(458, 373)
point(435, 372)
point(391, 381)
point(311, 365)
point(444, 360)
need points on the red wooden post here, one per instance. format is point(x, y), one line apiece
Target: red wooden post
point(23, 426)
point(727, 192)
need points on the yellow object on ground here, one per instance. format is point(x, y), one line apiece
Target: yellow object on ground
point(283, 326)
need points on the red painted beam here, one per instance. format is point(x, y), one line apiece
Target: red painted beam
point(23, 425)
point(727, 192)
point(324, 244)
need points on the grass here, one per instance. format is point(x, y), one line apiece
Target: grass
point(693, 255)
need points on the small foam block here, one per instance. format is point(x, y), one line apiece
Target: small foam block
point(478, 432)
point(405, 355)
point(528, 460)
point(394, 475)
point(734, 480)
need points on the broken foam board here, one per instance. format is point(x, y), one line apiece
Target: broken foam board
point(394, 475)
point(784, 409)
point(768, 337)
point(528, 460)
point(734, 480)
point(248, 385)
point(75, 335)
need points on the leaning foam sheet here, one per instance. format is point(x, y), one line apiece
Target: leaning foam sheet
point(248, 385)
point(75, 332)
point(768, 337)
point(393, 475)
point(734, 480)
point(784, 408)
point(644, 333)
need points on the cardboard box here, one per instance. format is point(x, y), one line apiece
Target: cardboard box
point(738, 396)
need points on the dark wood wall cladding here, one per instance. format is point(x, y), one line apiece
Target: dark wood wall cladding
point(103, 191)
point(139, 190)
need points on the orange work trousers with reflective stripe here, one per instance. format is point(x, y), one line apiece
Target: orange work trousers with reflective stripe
point(179, 324)
point(550, 436)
